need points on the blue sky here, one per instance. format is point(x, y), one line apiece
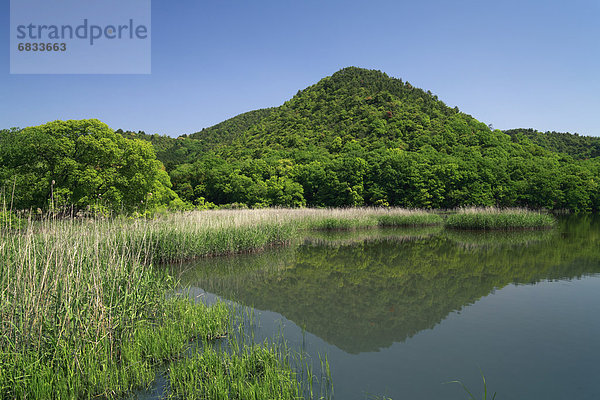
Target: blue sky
point(511, 63)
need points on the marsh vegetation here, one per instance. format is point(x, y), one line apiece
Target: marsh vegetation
point(86, 312)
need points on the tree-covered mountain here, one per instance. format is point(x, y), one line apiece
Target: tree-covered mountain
point(360, 137)
point(572, 144)
point(356, 138)
point(227, 131)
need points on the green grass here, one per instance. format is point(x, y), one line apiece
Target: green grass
point(10, 221)
point(240, 368)
point(484, 395)
point(80, 319)
point(84, 313)
point(255, 372)
point(331, 224)
point(499, 219)
point(184, 236)
point(347, 219)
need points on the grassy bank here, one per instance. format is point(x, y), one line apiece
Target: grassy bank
point(499, 219)
point(184, 236)
point(80, 319)
point(84, 312)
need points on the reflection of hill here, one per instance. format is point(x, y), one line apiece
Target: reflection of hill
point(365, 296)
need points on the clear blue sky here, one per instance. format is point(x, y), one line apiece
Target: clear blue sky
point(509, 63)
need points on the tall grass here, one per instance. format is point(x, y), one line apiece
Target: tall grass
point(82, 316)
point(353, 218)
point(182, 236)
point(499, 219)
point(85, 313)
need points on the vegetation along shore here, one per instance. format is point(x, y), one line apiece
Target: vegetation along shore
point(86, 312)
point(356, 138)
point(87, 307)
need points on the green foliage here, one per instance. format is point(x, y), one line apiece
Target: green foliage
point(227, 131)
point(171, 152)
point(81, 164)
point(9, 220)
point(361, 138)
point(574, 145)
point(356, 138)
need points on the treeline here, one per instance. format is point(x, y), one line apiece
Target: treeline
point(357, 138)
point(574, 145)
point(360, 137)
point(512, 176)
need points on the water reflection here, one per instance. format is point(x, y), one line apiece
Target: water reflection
point(363, 291)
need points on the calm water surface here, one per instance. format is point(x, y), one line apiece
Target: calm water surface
point(400, 312)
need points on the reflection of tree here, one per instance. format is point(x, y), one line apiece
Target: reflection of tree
point(368, 295)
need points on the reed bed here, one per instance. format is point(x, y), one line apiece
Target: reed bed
point(344, 219)
point(499, 219)
point(184, 236)
point(414, 219)
point(85, 313)
point(81, 316)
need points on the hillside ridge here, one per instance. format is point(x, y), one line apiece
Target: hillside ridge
point(362, 138)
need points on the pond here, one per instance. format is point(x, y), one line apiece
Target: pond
point(401, 312)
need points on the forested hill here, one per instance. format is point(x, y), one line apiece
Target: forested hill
point(356, 138)
point(227, 131)
point(577, 146)
point(360, 137)
point(354, 104)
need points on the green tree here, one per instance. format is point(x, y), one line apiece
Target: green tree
point(82, 164)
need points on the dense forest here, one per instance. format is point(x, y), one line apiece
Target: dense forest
point(574, 145)
point(358, 137)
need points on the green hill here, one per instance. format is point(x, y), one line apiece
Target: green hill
point(227, 131)
point(356, 138)
point(360, 137)
point(572, 144)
